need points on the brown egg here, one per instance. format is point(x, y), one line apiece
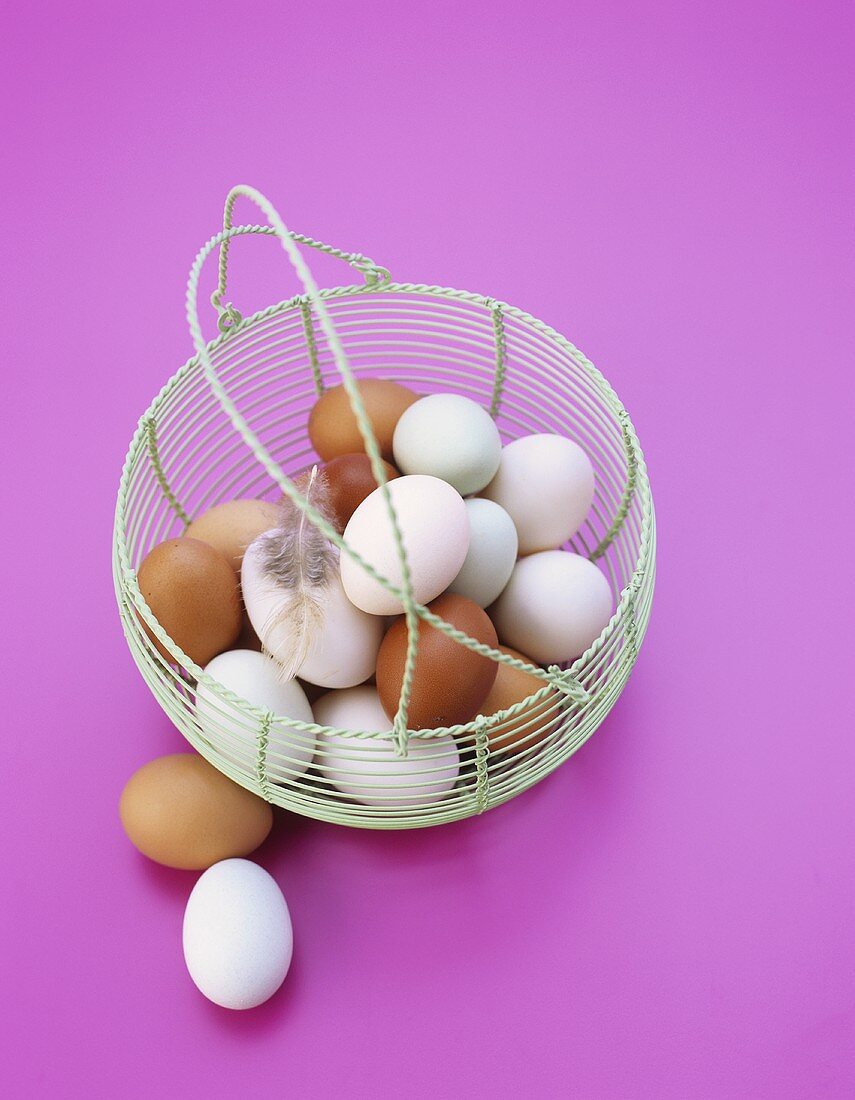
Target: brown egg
point(192, 591)
point(332, 426)
point(232, 526)
point(180, 811)
point(349, 480)
point(450, 682)
point(512, 686)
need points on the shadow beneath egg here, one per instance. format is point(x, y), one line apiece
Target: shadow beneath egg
point(256, 1023)
point(438, 845)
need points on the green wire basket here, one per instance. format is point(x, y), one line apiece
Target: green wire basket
point(233, 419)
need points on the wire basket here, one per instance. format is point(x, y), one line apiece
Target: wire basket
point(232, 423)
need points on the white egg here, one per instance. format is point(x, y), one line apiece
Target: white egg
point(367, 769)
point(345, 640)
point(546, 484)
point(554, 606)
point(491, 555)
point(434, 526)
point(238, 938)
point(450, 437)
point(255, 678)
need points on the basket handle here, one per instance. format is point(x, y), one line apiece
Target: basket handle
point(227, 315)
point(414, 612)
point(277, 228)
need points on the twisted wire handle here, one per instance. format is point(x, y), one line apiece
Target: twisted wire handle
point(305, 276)
point(227, 315)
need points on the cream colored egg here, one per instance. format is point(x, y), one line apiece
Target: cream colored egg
point(254, 677)
point(368, 769)
point(546, 484)
point(492, 552)
point(554, 606)
point(450, 437)
point(434, 526)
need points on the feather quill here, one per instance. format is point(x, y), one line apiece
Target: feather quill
point(298, 560)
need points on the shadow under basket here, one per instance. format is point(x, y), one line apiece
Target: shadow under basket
point(232, 423)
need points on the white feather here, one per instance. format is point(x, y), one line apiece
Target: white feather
point(298, 561)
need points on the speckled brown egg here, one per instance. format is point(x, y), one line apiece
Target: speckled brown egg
point(193, 593)
point(232, 526)
point(180, 811)
point(332, 426)
point(349, 479)
point(450, 682)
point(513, 686)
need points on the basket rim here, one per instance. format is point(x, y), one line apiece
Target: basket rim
point(126, 576)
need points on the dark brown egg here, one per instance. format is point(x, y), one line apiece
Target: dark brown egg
point(180, 811)
point(332, 426)
point(450, 681)
point(192, 591)
point(510, 687)
point(349, 480)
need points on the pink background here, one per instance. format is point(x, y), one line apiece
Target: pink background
point(672, 913)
